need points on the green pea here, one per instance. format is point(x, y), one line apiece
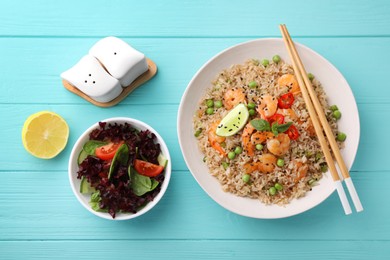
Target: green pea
point(311, 182)
point(246, 178)
point(238, 150)
point(310, 76)
point(210, 103)
point(337, 114)
point(210, 111)
point(272, 191)
point(341, 137)
point(218, 103)
point(278, 186)
point(252, 112)
point(308, 153)
point(225, 165)
point(231, 155)
point(265, 62)
point(223, 145)
point(198, 132)
point(280, 162)
point(259, 147)
point(251, 105)
point(324, 168)
point(276, 58)
point(252, 84)
point(318, 156)
point(334, 108)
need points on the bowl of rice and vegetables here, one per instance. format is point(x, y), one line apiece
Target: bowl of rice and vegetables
point(258, 154)
point(260, 143)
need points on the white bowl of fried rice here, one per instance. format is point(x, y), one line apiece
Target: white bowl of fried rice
point(237, 75)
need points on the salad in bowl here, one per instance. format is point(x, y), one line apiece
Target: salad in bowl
point(119, 168)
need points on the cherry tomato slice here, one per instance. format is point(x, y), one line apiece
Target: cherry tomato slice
point(147, 168)
point(286, 100)
point(107, 151)
point(279, 118)
point(292, 132)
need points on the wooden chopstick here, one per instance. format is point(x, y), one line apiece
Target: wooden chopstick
point(320, 124)
point(325, 125)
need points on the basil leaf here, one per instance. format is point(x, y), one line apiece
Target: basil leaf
point(275, 129)
point(260, 124)
point(283, 127)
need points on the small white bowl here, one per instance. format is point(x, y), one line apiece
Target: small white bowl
point(73, 168)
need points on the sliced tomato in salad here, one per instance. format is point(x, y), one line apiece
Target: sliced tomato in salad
point(286, 100)
point(107, 151)
point(292, 132)
point(147, 168)
point(279, 118)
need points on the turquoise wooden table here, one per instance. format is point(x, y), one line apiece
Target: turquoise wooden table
point(40, 217)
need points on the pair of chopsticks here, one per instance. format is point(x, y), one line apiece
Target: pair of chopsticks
point(321, 125)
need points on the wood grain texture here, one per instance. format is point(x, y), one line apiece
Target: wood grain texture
point(40, 218)
point(216, 18)
point(196, 249)
point(40, 205)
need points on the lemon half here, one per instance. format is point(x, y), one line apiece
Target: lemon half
point(45, 134)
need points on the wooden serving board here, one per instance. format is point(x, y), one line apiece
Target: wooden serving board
point(125, 92)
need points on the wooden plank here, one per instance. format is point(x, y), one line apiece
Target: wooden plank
point(32, 72)
point(217, 18)
point(196, 249)
point(41, 205)
point(80, 117)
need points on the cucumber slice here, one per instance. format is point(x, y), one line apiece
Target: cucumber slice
point(82, 155)
point(162, 160)
point(85, 186)
point(234, 121)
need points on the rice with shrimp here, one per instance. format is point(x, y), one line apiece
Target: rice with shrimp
point(257, 171)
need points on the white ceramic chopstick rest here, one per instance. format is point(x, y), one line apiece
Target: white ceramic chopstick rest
point(120, 60)
point(91, 78)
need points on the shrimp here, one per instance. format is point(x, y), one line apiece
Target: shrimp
point(250, 138)
point(310, 129)
point(233, 97)
point(279, 145)
point(288, 112)
point(251, 167)
point(267, 106)
point(289, 81)
point(246, 137)
point(215, 140)
point(301, 170)
point(266, 164)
